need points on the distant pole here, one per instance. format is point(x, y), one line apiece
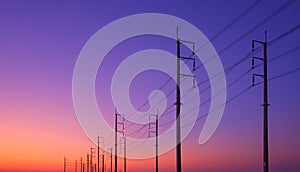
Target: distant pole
point(65, 164)
point(111, 159)
point(266, 103)
point(91, 160)
point(156, 136)
point(83, 167)
point(124, 153)
point(178, 104)
point(75, 165)
point(80, 164)
point(116, 137)
point(156, 133)
point(98, 156)
point(103, 163)
point(87, 162)
point(116, 144)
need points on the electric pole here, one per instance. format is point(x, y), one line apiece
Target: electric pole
point(116, 135)
point(110, 159)
point(178, 99)
point(156, 145)
point(116, 144)
point(156, 137)
point(87, 162)
point(65, 164)
point(124, 138)
point(100, 141)
point(103, 163)
point(80, 164)
point(91, 158)
point(124, 149)
point(98, 150)
point(178, 104)
point(265, 104)
point(75, 165)
point(109, 156)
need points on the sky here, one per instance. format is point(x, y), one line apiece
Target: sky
point(40, 42)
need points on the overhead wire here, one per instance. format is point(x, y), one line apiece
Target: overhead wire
point(284, 74)
point(280, 9)
point(246, 72)
point(265, 20)
point(231, 67)
point(214, 37)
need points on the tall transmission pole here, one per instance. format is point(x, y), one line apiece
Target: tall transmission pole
point(178, 104)
point(117, 115)
point(156, 137)
point(265, 104)
point(178, 99)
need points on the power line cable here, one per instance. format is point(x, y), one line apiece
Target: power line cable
point(265, 20)
point(284, 74)
point(280, 9)
point(214, 37)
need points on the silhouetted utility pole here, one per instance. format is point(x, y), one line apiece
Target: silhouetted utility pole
point(265, 104)
point(75, 165)
point(65, 164)
point(124, 149)
point(110, 159)
point(109, 156)
point(91, 158)
point(178, 101)
point(156, 136)
point(124, 143)
point(100, 141)
point(103, 163)
point(87, 162)
point(178, 104)
point(116, 135)
point(80, 164)
point(98, 155)
point(116, 144)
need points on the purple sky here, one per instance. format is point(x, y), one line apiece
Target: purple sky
point(41, 40)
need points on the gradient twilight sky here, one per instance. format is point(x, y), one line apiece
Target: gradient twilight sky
point(41, 40)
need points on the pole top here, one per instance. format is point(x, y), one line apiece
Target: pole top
point(265, 36)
